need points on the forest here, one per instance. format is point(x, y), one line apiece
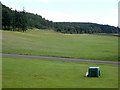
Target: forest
point(14, 20)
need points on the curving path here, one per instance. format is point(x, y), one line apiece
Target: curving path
point(59, 59)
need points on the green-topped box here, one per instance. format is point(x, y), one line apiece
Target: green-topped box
point(93, 72)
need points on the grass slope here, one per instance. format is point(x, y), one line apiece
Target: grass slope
point(50, 43)
point(34, 73)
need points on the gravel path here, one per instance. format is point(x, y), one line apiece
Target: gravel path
point(60, 59)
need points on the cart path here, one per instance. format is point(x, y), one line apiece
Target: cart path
point(59, 59)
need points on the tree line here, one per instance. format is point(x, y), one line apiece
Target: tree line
point(81, 28)
point(13, 20)
point(21, 21)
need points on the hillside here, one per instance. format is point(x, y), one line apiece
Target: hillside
point(61, 44)
point(50, 43)
point(13, 20)
point(21, 21)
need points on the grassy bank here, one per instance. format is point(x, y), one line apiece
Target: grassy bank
point(50, 43)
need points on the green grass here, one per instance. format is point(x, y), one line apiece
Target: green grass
point(50, 43)
point(34, 73)
point(0, 73)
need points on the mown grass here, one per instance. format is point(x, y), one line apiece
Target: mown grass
point(34, 73)
point(50, 43)
point(0, 73)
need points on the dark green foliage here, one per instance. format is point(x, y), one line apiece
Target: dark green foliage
point(13, 20)
point(36, 21)
point(6, 17)
point(77, 28)
point(21, 21)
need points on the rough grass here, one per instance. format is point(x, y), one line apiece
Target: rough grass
point(34, 73)
point(50, 43)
